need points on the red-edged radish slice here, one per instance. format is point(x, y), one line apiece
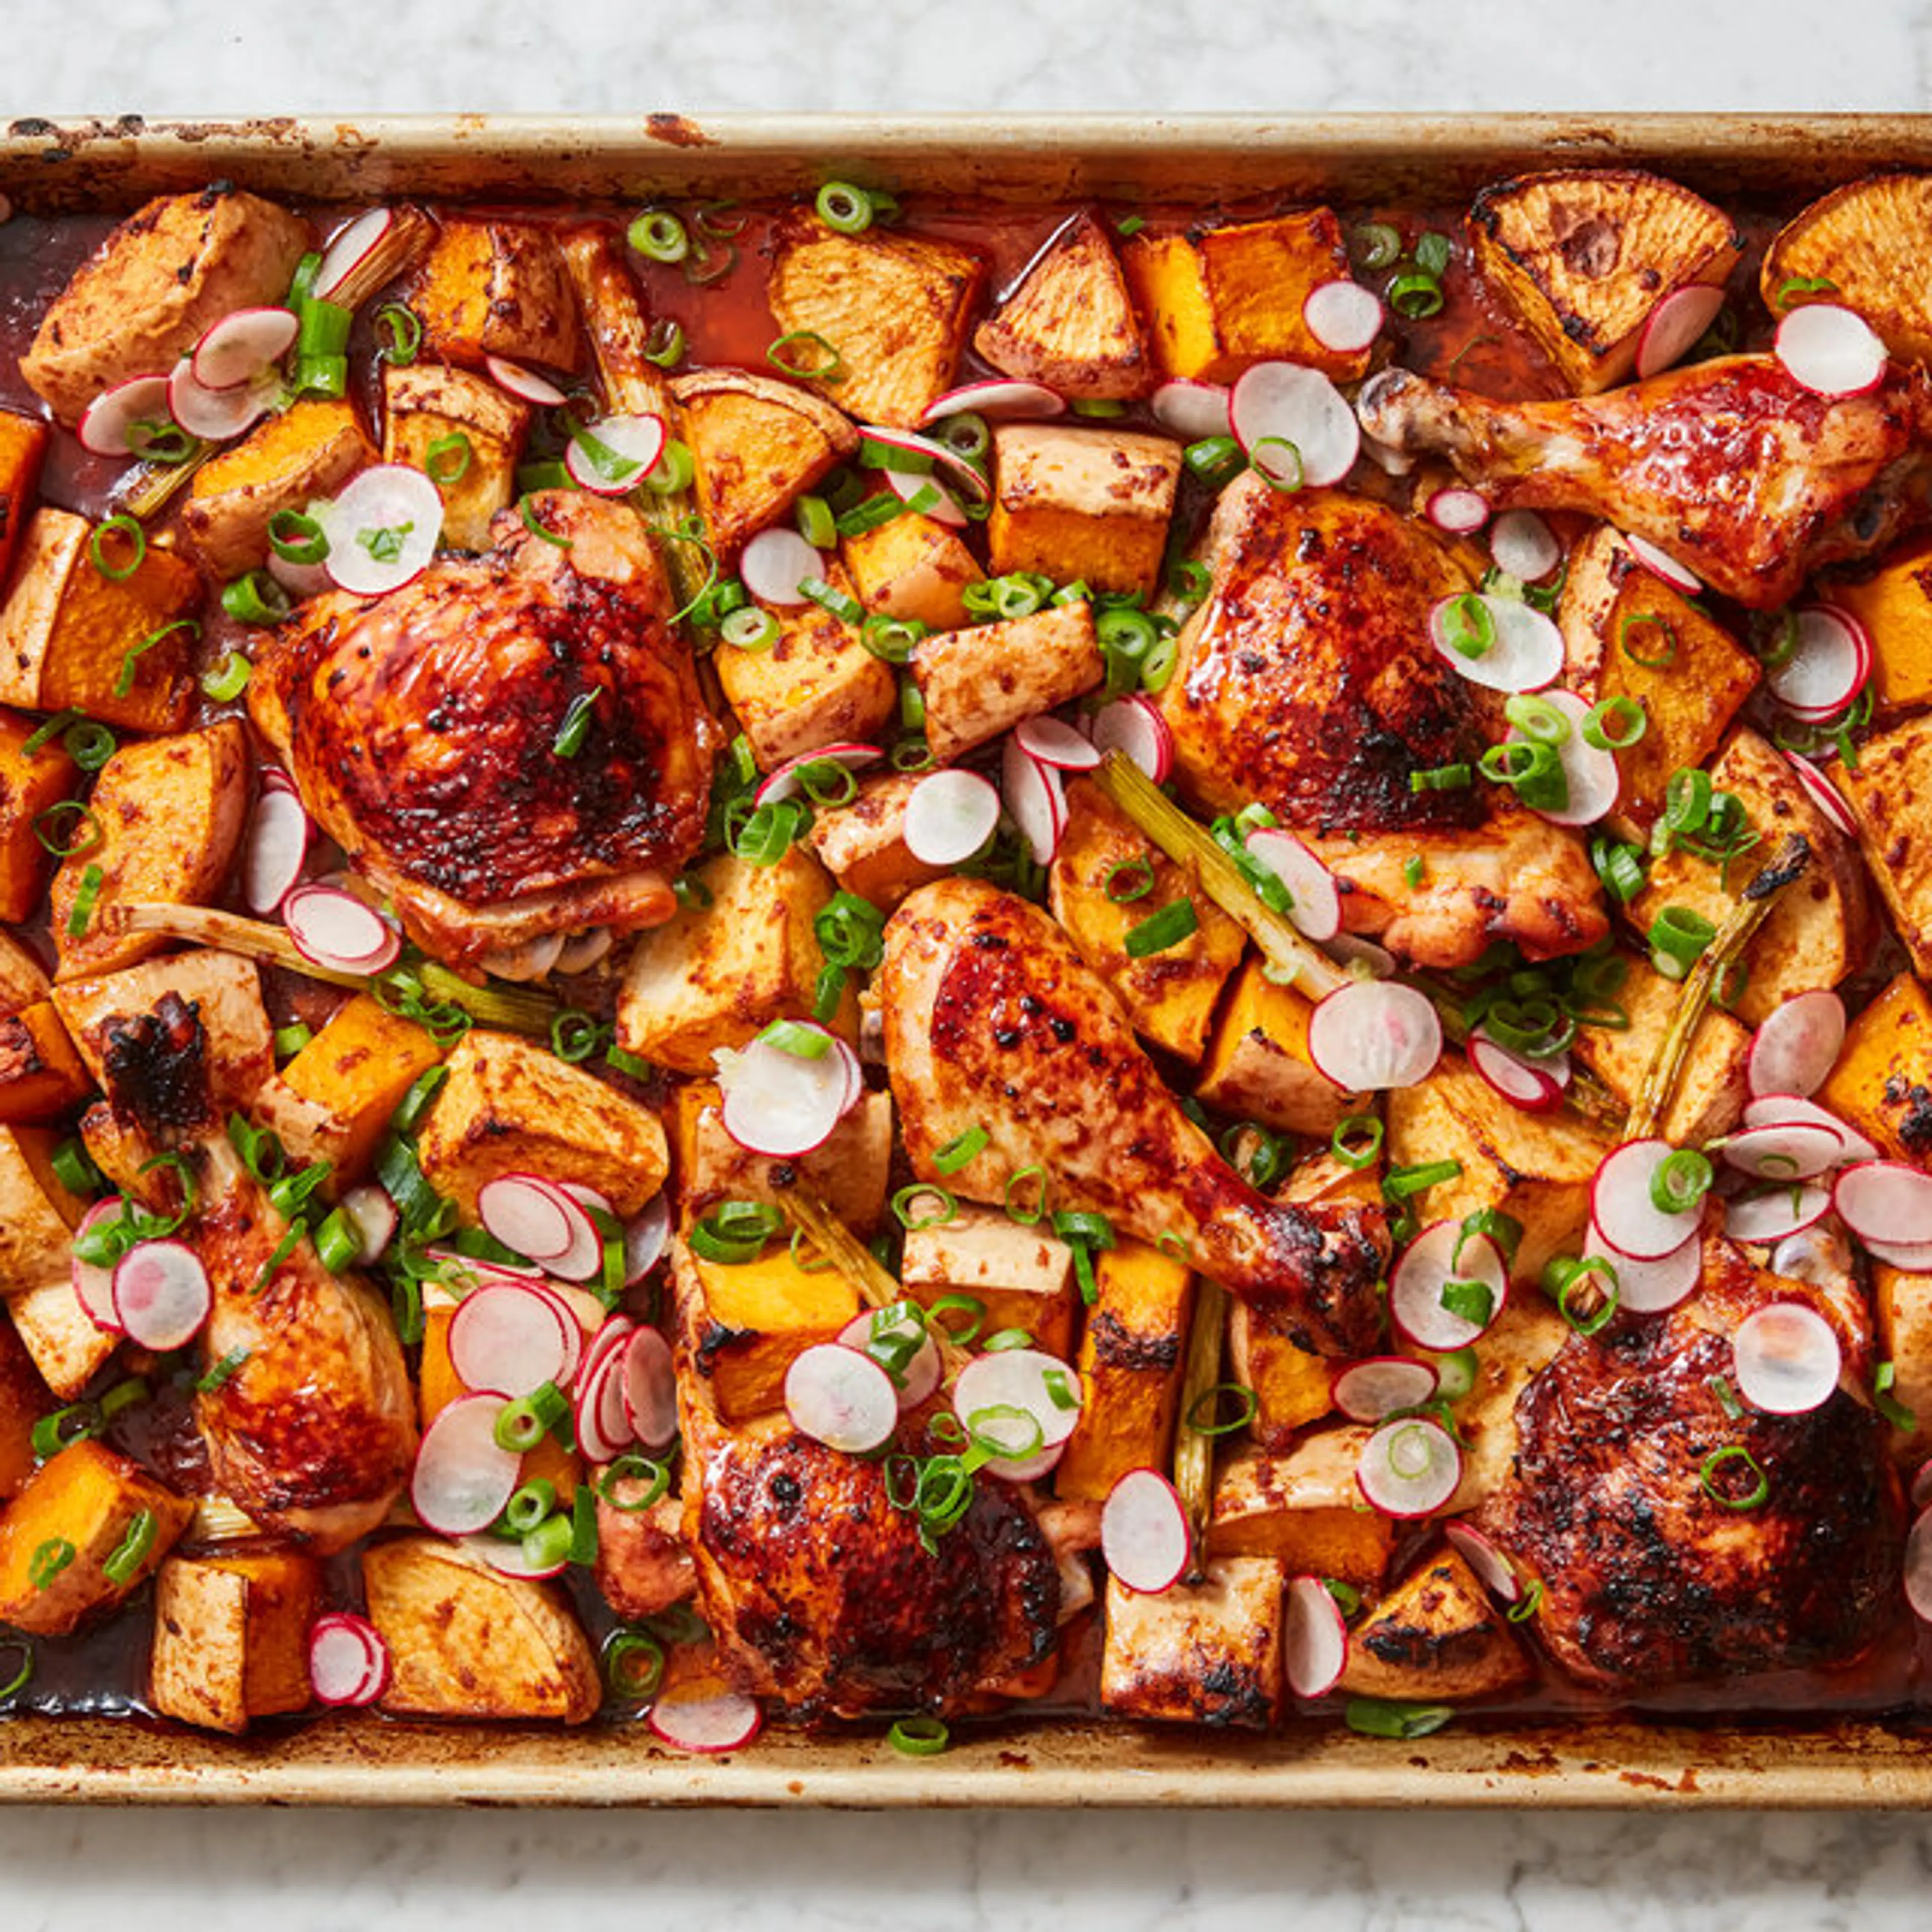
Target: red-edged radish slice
point(348, 248)
point(1054, 743)
point(926, 495)
point(584, 1259)
point(463, 1477)
point(509, 1342)
point(841, 1397)
point(920, 1375)
point(1494, 1571)
point(1373, 1035)
point(1830, 659)
point(774, 563)
point(1591, 771)
point(949, 816)
point(1781, 1110)
point(161, 1294)
point(1275, 403)
point(1459, 512)
point(1886, 1201)
point(1525, 651)
point(1035, 800)
point(383, 529)
point(1133, 726)
point(1367, 1391)
point(645, 1237)
point(1776, 1215)
point(780, 1104)
point(788, 780)
point(1674, 326)
point(276, 844)
point(923, 450)
point(1523, 546)
point(1823, 794)
point(1041, 1385)
point(1314, 1638)
point(998, 400)
point(348, 1661)
point(524, 383)
point(1409, 1468)
point(110, 424)
point(1830, 350)
point(373, 1215)
point(1791, 1151)
point(1443, 1253)
point(1144, 1536)
point(218, 414)
point(1533, 1085)
point(1315, 903)
point(1787, 1359)
point(1192, 410)
point(335, 929)
point(1913, 1257)
point(243, 346)
point(93, 1285)
point(1631, 1222)
point(273, 778)
point(507, 1559)
point(708, 1722)
point(1798, 1045)
point(612, 457)
point(1919, 1560)
point(601, 1416)
point(527, 1214)
point(650, 1390)
point(1651, 1287)
point(1342, 315)
point(301, 579)
point(1662, 564)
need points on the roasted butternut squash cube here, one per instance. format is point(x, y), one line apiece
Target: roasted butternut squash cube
point(1131, 1361)
point(1258, 1067)
point(1023, 1277)
point(816, 685)
point(1217, 301)
point(491, 287)
point(22, 978)
point(38, 1211)
point(356, 1071)
point(1902, 1301)
point(718, 974)
point(40, 1074)
point(1436, 1636)
point(24, 1399)
point(1882, 1083)
point(1895, 604)
point(71, 637)
point(427, 405)
point(1205, 1653)
point(1862, 239)
point(1303, 1509)
point(862, 844)
point(1070, 323)
point(511, 1106)
point(57, 1535)
point(748, 1322)
point(913, 567)
point(69, 1347)
point(1627, 634)
point(231, 1637)
point(1523, 1339)
point(1887, 793)
point(29, 785)
point(1090, 505)
point(894, 307)
point(757, 445)
point(23, 444)
point(225, 990)
point(170, 812)
point(307, 451)
point(1581, 256)
point(977, 683)
point(466, 1641)
point(1169, 995)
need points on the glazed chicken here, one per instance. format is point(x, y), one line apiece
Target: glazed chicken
point(992, 1020)
point(421, 728)
point(1729, 466)
point(313, 1432)
point(1649, 1578)
point(1307, 680)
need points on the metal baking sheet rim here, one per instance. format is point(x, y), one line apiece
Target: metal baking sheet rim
point(48, 165)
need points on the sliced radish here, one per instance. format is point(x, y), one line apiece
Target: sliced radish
point(949, 816)
point(1315, 903)
point(1651, 1287)
point(1830, 350)
point(1038, 1384)
point(998, 400)
point(278, 843)
point(926, 495)
point(1057, 744)
point(1459, 511)
point(1919, 1562)
point(1662, 564)
point(782, 1104)
point(218, 414)
point(373, 1215)
point(1830, 661)
point(1590, 771)
point(650, 1390)
point(93, 1285)
point(1494, 1571)
point(841, 1397)
point(1276, 404)
point(1523, 546)
point(921, 1374)
point(1192, 410)
point(508, 1559)
point(337, 930)
point(351, 245)
point(1443, 1253)
point(1823, 794)
point(348, 1661)
point(242, 346)
point(925, 451)
point(524, 383)
point(775, 563)
point(1780, 1110)
point(1035, 800)
point(1626, 1217)
point(717, 1721)
point(383, 529)
point(462, 1476)
point(1525, 650)
point(1342, 315)
point(1674, 326)
point(612, 457)
point(1787, 1359)
point(1409, 1468)
point(1913, 1257)
point(646, 1235)
point(509, 1342)
point(1144, 1536)
point(601, 1416)
point(1314, 1638)
point(1533, 1085)
point(161, 1294)
point(1791, 1151)
point(788, 780)
point(1368, 1390)
point(111, 425)
point(1886, 1201)
point(1798, 1045)
point(527, 1214)
point(301, 579)
point(584, 1259)
point(1775, 1215)
point(1374, 1034)
point(1134, 727)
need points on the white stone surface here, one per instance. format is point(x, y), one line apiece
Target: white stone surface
point(74, 1871)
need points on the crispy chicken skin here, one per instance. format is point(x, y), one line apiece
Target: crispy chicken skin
point(1649, 1580)
point(419, 729)
point(1750, 480)
point(992, 1020)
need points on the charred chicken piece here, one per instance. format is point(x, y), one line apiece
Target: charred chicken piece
point(993, 1020)
point(430, 733)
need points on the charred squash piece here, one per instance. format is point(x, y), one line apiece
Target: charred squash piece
point(1867, 240)
point(1070, 323)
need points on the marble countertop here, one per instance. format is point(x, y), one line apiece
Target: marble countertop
point(345, 1871)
